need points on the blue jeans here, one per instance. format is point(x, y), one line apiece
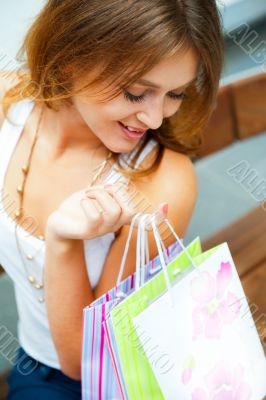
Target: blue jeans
point(32, 380)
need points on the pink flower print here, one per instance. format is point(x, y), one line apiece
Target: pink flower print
point(224, 382)
point(216, 305)
point(188, 368)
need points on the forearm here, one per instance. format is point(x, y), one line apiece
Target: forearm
point(67, 292)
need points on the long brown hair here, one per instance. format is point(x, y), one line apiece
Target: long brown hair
point(126, 38)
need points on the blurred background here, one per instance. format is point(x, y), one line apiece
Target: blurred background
point(222, 201)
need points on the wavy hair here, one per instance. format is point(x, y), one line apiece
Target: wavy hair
point(126, 38)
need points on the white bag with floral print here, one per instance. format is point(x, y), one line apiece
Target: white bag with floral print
point(203, 324)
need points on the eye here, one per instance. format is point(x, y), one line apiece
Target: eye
point(180, 96)
point(134, 99)
point(137, 99)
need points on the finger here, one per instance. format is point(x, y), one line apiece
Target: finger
point(123, 199)
point(159, 216)
point(102, 197)
point(93, 212)
point(114, 186)
point(163, 210)
point(109, 205)
point(119, 192)
point(94, 201)
point(119, 188)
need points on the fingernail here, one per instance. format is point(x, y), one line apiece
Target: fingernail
point(165, 208)
point(90, 193)
point(108, 186)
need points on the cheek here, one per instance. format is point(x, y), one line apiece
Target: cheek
point(117, 110)
point(91, 113)
point(101, 114)
point(82, 106)
point(171, 109)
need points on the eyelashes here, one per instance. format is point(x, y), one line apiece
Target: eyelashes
point(134, 99)
point(138, 99)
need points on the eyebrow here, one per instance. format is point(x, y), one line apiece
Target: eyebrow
point(144, 82)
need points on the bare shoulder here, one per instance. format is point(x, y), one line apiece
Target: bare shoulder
point(174, 182)
point(175, 165)
point(7, 80)
point(177, 169)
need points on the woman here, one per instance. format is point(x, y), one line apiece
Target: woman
point(110, 104)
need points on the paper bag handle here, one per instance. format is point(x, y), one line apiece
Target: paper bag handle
point(142, 250)
point(142, 254)
point(158, 243)
point(123, 262)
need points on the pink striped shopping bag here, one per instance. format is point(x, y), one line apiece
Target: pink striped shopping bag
point(99, 378)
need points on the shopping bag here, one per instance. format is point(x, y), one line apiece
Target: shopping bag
point(98, 376)
point(134, 372)
point(204, 327)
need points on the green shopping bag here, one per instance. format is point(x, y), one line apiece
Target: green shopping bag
point(138, 376)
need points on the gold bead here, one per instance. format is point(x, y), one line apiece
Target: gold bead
point(20, 189)
point(41, 300)
point(41, 237)
point(38, 286)
point(29, 257)
point(17, 214)
point(25, 169)
point(31, 279)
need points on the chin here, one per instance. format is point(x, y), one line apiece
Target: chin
point(121, 149)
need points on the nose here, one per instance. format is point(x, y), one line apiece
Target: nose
point(152, 115)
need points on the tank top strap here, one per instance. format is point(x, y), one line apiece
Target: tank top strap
point(115, 175)
point(124, 158)
point(10, 132)
point(146, 150)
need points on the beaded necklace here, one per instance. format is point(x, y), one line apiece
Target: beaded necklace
point(34, 282)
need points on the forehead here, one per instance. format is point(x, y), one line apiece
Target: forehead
point(175, 71)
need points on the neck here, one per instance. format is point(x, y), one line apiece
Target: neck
point(65, 132)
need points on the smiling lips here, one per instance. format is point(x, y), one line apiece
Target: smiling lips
point(131, 134)
point(133, 129)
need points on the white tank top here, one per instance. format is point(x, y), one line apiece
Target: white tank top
point(33, 331)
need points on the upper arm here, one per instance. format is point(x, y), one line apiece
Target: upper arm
point(173, 182)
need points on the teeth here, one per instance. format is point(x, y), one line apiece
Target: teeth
point(132, 130)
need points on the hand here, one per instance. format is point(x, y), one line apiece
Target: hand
point(94, 212)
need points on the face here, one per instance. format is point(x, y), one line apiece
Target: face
point(144, 105)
